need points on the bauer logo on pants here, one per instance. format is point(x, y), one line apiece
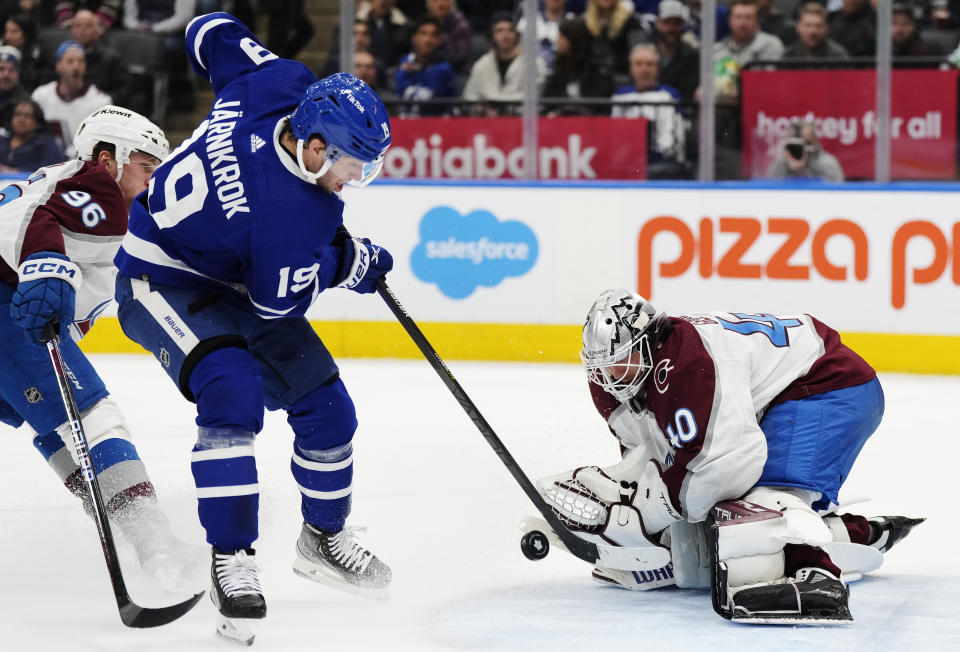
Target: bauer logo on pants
point(459, 253)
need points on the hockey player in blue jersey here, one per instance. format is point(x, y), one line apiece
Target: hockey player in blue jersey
point(239, 232)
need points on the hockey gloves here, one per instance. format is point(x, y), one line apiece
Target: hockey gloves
point(362, 264)
point(46, 292)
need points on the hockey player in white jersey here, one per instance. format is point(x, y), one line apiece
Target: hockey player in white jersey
point(59, 232)
point(241, 230)
point(767, 411)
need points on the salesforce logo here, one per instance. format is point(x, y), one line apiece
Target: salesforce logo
point(462, 252)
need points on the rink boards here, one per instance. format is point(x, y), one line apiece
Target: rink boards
point(495, 271)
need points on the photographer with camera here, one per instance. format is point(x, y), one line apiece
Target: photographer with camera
point(800, 156)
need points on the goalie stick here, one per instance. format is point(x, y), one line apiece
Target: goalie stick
point(596, 553)
point(132, 614)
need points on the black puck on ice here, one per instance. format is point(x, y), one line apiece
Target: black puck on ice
point(534, 545)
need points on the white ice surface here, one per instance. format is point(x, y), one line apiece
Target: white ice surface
point(443, 512)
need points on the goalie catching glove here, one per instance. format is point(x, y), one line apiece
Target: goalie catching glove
point(626, 504)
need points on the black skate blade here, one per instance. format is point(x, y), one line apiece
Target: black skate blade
point(133, 615)
point(792, 620)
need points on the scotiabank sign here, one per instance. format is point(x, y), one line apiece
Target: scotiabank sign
point(492, 148)
point(842, 103)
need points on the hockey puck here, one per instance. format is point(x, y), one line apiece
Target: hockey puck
point(534, 545)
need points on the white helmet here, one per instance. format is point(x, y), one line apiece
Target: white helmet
point(126, 130)
point(618, 324)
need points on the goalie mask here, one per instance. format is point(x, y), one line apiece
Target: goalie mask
point(620, 336)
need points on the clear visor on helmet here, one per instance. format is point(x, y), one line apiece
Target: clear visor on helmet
point(622, 373)
point(344, 168)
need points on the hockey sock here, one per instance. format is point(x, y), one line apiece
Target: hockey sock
point(859, 529)
point(228, 494)
point(323, 422)
point(796, 556)
point(229, 392)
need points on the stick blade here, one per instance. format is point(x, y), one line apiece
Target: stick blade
point(134, 615)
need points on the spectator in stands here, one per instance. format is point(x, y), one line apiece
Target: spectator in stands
point(679, 61)
point(105, 67)
point(159, 16)
point(455, 33)
point(903, 32)
point(365, 67)
point(105, 10)
point(11, 90)
point(169, 19)
point(614, 29)
point(20, 31)
point(772, 21)
point(746, 43)
point(813, 42)
point(389, 31)
point(945, 14)
point(361, 43)
point(647, 98)
point(498, 76)
point(574, 76)
point(28, 145)
point(422, 75)
point(549, 17)
point(854, 26)
point(800, 156)
point(290, 27)
point(69, 99)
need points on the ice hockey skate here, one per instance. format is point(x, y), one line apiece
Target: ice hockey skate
point(813, 597)
point(887, 531)
point(237, 595)
point(175, 565)
point(337, 559)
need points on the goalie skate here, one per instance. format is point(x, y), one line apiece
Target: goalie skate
point(237, 595)
point(338, 560)
point(890, 530)
point(813, 597)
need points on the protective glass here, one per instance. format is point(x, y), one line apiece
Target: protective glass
point(353, 171)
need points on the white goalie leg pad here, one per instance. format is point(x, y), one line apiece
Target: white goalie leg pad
point(101, 421)
point(751, 545)
point(753, 549)
point(626, 504)
point(801, 524)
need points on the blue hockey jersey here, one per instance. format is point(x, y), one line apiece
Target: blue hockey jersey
point(230, 208)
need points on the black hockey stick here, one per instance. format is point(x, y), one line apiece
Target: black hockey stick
point(603, 555)
point(132, 614)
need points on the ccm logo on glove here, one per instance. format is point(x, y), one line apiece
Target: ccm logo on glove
point(39, 268)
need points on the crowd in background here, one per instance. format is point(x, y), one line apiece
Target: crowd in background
point(626, 58)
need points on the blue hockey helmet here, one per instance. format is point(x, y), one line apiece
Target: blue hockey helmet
point(352, 120)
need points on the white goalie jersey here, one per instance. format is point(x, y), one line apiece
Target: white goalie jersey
point(699, 410)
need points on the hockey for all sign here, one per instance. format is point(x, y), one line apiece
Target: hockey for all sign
point(492, 148)
point(842, 104)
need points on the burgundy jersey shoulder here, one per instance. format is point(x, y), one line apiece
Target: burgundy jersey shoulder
point(682, 383)
point(76, 197)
